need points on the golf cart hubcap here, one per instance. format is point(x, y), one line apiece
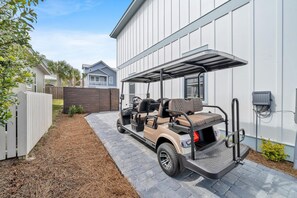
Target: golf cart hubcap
point(165, 160)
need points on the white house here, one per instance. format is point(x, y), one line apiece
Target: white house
point(99, 75)
point(263, 32)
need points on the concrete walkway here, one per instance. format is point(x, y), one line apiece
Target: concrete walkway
point(139, 164)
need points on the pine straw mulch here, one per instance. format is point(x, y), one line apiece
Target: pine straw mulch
point(69, 161)
point(285, 166)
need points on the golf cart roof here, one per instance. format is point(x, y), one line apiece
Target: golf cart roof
point(201, 62)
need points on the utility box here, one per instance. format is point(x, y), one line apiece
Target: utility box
point(262, 98)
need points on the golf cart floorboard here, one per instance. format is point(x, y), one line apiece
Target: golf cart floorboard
point(215, 162)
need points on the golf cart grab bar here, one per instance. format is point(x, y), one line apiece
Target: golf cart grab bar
point(237, 140)
point(191, 130)
point(213, 106)
point(225, 114)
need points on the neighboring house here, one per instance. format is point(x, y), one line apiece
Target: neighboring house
point(99, 75)
point(38, 79)
point(50, 80)
point(152, 32)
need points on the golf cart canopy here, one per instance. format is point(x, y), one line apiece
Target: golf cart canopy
point(201, 62)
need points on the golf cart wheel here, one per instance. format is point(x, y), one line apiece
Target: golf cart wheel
point(168, 160)
point(119, 127)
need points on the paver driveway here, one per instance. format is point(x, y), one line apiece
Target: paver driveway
point(139, 164)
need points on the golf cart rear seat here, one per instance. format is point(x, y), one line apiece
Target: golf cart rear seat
point(182, 110)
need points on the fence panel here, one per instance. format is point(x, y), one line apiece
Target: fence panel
point(104, 100)
point(2, 143)
point(22, 124)
point(114, 99)
point(92, 99)
point(39, 117)
point(57, 92)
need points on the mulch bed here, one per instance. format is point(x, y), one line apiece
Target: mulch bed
point(285, 166)
point(69, 161)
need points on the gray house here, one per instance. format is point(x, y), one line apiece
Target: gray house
point(99, 75)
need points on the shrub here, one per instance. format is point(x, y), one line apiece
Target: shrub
point(79, 109)
point(71, 110)
point(273, 151)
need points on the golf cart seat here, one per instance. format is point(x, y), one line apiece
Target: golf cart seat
point(161, 117)
point(190, 108)
point(145, 107)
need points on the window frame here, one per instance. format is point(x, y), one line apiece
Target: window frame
point(204, 80)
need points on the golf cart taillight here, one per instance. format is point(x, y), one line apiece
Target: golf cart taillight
point(196, 136)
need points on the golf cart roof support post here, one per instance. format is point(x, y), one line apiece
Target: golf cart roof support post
point(198, 89)
point(161, 86)
point(122, 92)
point(148, 90)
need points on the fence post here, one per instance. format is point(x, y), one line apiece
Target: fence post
point(22, 124)
point(11, 134)
point(2, 143)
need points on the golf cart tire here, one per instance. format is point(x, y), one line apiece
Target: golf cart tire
point(166, 148)
point(119, 127)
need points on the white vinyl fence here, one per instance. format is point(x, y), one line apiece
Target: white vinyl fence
point(31, 120)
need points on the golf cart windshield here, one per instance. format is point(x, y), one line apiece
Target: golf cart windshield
point(202, 62)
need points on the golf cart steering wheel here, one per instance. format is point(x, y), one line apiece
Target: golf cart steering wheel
point(136, 100)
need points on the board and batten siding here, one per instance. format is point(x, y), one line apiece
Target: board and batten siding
point(259, 31)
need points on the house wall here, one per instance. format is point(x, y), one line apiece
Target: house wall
point(40, 82)
point(258, 31)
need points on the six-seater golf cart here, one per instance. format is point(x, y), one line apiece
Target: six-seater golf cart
point(178, 129)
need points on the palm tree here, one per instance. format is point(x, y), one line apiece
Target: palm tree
point(61, 69)
point(84, 75)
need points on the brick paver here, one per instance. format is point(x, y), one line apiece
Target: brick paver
point(138, 163)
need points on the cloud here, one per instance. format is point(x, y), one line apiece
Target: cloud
point(66, 7)
point(75, 47)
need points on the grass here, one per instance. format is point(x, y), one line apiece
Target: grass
point(57, 107)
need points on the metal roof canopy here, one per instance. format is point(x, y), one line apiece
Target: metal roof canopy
point(201, 62)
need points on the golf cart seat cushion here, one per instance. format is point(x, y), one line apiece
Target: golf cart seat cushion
point(143, 115)
point(186, 106)
point(190, 107)
point(159, 121)
point(144, 106)
point(200, 119)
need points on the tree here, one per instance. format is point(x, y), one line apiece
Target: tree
point(16, 56)
point(65, 73)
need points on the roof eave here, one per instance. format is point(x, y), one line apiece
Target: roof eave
point(129, 13)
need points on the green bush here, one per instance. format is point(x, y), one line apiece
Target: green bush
point(273, 151)
point(79, 109)
point(71, 110)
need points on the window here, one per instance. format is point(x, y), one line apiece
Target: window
point(191, 87)
point(32, 86)
point(110, 80)
point(131, 91)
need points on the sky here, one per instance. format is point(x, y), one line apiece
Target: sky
point(77, 31)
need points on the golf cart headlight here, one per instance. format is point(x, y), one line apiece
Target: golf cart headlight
point(186, 143)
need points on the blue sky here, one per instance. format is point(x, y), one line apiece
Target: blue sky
point(78, 30)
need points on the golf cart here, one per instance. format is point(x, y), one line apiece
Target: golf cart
point(178, 129)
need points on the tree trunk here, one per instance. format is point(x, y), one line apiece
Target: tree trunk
point(59, 82)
